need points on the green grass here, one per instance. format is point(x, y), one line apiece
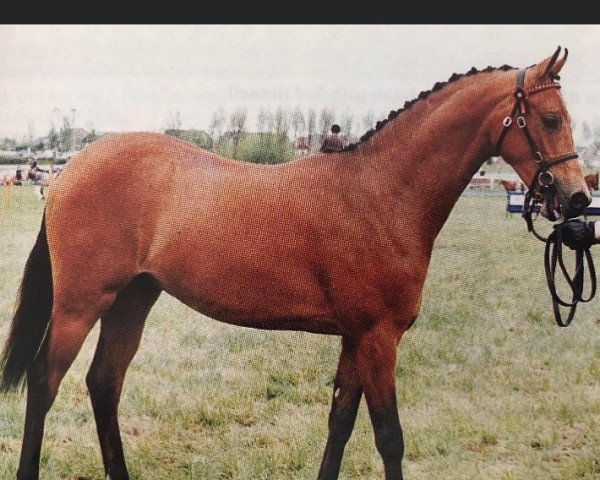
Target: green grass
point(488, 386)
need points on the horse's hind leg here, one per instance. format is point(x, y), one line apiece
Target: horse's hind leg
point(120, 332)
point(67, 330)
point(347, 393)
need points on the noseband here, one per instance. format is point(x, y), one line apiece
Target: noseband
point(544, 179)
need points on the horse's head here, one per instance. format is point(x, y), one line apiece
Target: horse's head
point(538, 143)
point(508, 185)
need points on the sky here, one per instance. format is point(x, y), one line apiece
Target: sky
point(126, 78)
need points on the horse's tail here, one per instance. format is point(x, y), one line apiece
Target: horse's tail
point(31, 317)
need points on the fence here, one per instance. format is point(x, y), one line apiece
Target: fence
point(515, 200)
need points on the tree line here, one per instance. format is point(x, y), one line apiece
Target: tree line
point(62, 139)
point(277, 136)
point(273, 136)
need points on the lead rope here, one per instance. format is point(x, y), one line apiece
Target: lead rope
point(553, 256)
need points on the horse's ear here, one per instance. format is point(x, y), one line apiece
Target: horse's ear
point(552, 65)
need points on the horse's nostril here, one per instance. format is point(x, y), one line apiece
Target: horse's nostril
point(577, 204)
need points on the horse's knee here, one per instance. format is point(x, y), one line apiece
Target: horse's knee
point(389, 441)
point(344, 406)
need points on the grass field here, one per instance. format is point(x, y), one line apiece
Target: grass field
point(488, 386)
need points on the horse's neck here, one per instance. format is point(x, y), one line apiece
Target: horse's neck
point(420, 163)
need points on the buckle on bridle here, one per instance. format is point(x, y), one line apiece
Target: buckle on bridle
point(506, 122)
point(521, 121)
point(537, 157)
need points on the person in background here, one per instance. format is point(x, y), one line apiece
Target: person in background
point(33, 166)
point(39, 177)
point(18, 178)
point(333, 141)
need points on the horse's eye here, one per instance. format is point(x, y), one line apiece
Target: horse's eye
point(551, 122)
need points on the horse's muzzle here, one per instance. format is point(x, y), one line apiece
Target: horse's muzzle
point(577, 204)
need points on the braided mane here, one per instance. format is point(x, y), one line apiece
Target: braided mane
point(423, 95)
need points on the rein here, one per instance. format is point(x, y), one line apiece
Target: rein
point(553, 256)
point(544, 181)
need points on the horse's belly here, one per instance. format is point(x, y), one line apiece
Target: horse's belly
point(280, 299)
point(271, 314)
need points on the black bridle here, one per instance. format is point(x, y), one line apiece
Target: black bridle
point(542, 187)
point(543, 180)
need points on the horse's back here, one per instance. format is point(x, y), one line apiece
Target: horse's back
point(127, 165)
point(134, 183)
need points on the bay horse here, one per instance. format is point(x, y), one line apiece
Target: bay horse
point(335, 243)
point(511, 186)
point(591, 179)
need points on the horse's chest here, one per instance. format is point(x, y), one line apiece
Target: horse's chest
point(375, 288)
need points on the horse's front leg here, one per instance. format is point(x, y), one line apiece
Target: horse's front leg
point(347, 392)
point(376, 365)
